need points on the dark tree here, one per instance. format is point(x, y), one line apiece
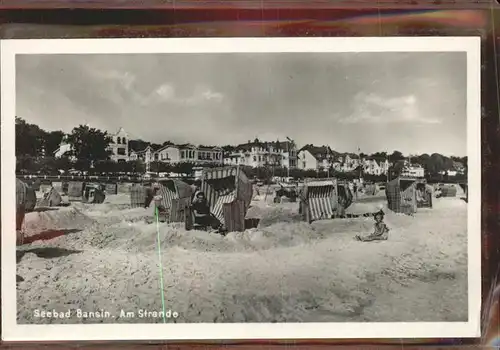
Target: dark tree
point(29, 139)
point(381, 155)
point(51, 141)
point(136, 166)
point(395, 169)
point(48, 166)
point(396, 156)
point(26, 164)
point(89, 145)
point(228, 148)
point(160, 167)
point(183, 168)
point(137, 145)
point(106, 166)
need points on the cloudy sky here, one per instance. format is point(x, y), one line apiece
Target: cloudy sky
point(412, 102)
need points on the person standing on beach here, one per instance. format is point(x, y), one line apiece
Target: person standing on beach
point(196, 186)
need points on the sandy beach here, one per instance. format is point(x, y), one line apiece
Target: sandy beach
point(104, 258)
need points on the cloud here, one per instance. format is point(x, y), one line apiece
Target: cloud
point(123, 85)
point(125, 79)
point(167, 93)
point(373, 108)
point(201, 94)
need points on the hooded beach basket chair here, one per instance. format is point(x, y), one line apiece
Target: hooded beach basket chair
point(94, 193)
point(173, 199)
point(111, 188)
point(229, 193)
point(324, 199)
point(424, 194)
point(20, 203)
point(465, 188)
point(401, 195)
point(138, 194)
point(76, 191)
point(448, 190)
point(51, 199)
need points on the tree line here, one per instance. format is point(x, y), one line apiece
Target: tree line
point(35, 150)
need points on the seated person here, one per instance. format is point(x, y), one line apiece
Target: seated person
point(380, 230)
point(203, 218)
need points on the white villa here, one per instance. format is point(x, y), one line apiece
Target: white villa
point(261, 154)
point(119, 146)
point(180, 153)
point(413, 170)
point(314, 157)
point(373, 167)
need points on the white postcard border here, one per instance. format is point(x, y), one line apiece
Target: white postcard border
point(11, 331)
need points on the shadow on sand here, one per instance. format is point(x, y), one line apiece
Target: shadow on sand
point(44, 209)
point(46, 252)
point(49, 234)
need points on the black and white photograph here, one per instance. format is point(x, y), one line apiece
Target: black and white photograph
point(240, 188)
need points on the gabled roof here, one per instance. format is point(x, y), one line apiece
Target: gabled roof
point(151, 148)
point(121, 129)
point(209, 147)
point(186, 145)
point(319, 152)
point(283, 145)
point(165, 147)
point(351, 155)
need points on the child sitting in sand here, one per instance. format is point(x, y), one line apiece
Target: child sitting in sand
point(381, 230)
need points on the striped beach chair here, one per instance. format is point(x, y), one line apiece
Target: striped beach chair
point(229, 193)
point(319, 199)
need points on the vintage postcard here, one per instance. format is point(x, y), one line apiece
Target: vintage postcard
point(281, 188)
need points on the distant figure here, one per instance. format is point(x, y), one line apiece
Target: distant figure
point(420, 193)
point(196, 188)
point(438, 192)
point(381, 230)
point(355, 190)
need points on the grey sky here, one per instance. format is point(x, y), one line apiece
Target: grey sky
point(412, 102)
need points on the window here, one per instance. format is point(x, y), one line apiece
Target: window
point(118, 140)
point(183, 155)
point(254, 158)
point(124, 141)
point(121, 151)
